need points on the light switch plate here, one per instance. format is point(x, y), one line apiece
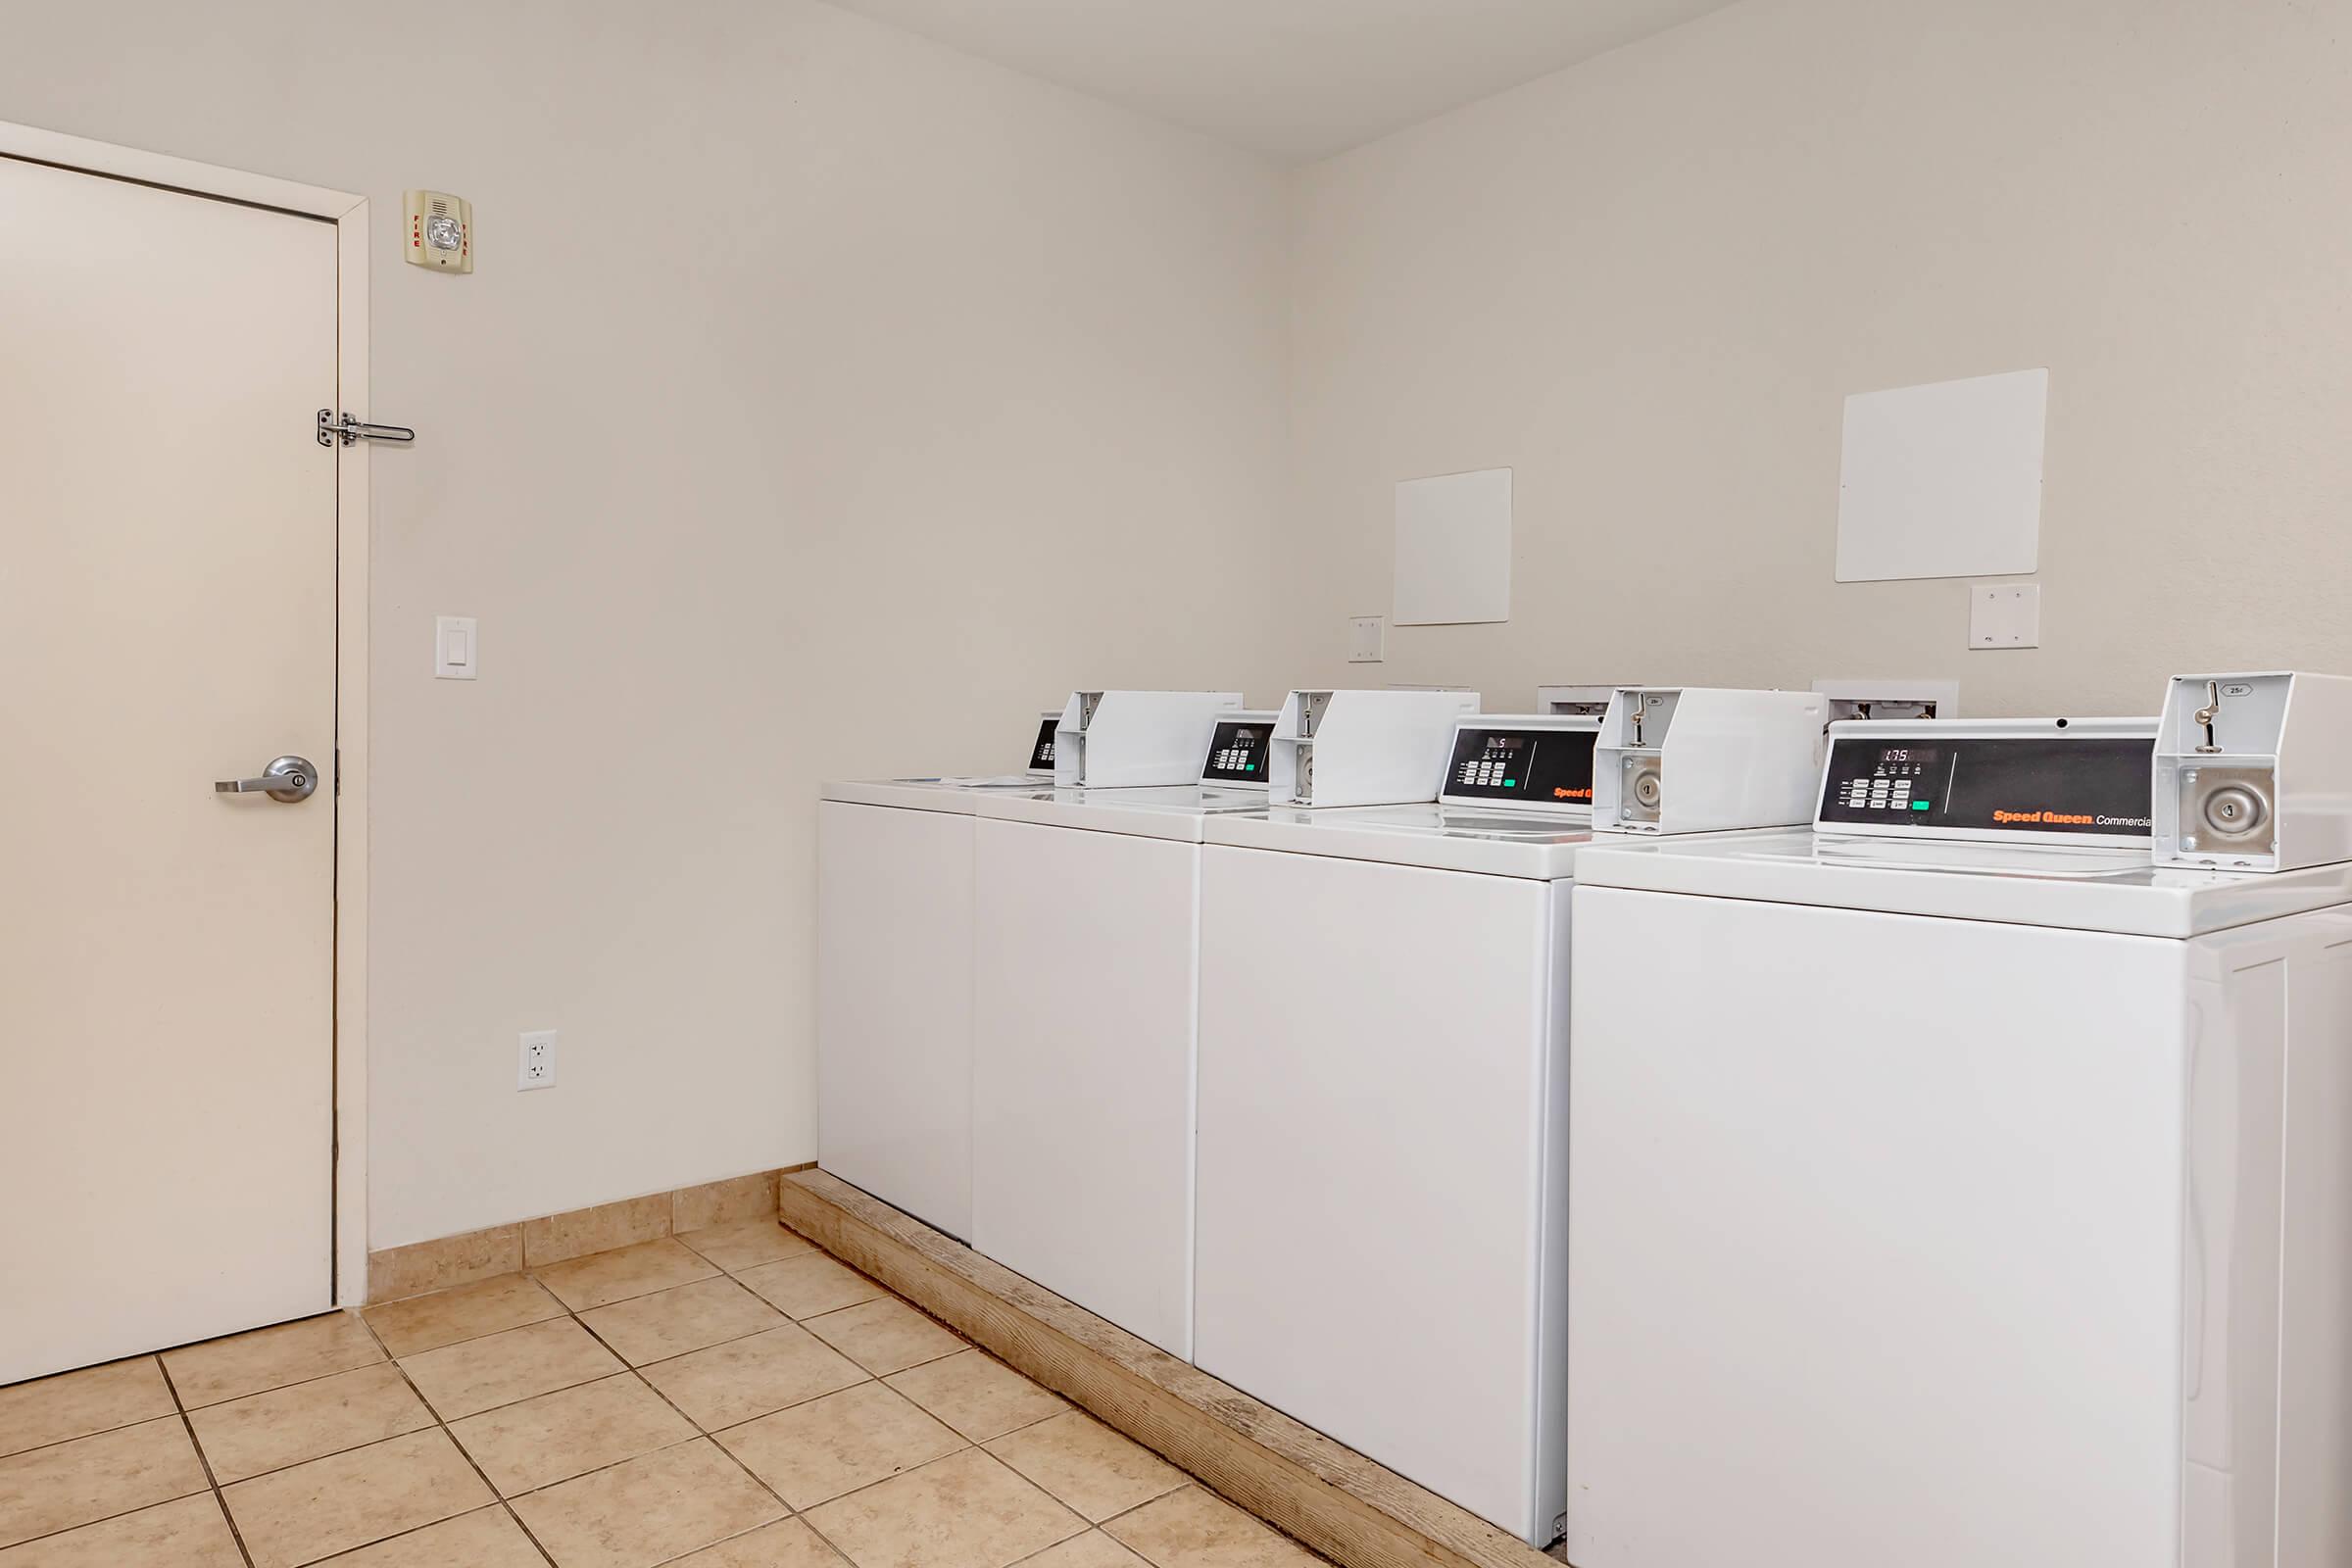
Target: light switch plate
point(457, 650)
point(1364, 639)
point(2004, 614)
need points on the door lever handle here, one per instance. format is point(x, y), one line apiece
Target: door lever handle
point(286, 778)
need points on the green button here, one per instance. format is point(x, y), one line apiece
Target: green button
point(1509, 783)
point(1921, 805)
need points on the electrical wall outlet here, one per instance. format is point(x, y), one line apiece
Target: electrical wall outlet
point(1363, 639)
point(535, 1065)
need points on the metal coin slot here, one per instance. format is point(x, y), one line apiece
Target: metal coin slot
point(1643, 789)
point(2225, 807)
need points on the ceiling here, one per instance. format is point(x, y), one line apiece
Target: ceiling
point(1294, 79)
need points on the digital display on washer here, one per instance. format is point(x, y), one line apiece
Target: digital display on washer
point(1551, 765)
point(2006, 783)
point(1041, 751)
point(1237, 752)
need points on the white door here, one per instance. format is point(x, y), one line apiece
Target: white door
point(168, 590)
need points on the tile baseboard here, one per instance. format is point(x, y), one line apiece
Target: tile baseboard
point(436, 1265)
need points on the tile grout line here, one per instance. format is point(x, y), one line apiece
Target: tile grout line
point(706, 1433)
point(219, 1493)
point(209, 1489)
point(498, 1497)
point(432, 1419)
point(970, 1446)
point(436, 1421)
point(468, 1339)
point(278, 1387)
point(702, 1434)
point(176, 1405)
point(624, 1369)
point(98, 1432)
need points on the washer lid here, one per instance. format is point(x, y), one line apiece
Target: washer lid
point(942, 794)
point(1172, 812)
point(1488, 843)
point(2079, 888)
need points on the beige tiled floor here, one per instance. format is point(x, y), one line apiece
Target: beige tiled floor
point(725, 1399)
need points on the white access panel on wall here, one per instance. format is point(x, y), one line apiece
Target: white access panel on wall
point(1453, 549)
point(1942, 480)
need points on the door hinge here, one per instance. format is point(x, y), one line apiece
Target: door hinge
point(354, 430)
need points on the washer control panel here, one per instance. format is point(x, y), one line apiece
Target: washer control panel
point(1041, 750)
point(2037, 780)
point(1542, 761)
point(1241, 752)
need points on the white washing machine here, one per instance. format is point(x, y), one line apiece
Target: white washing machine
point(1382, 1117)
point(1382, 1138)
point(895, 946)
point(1083, 1006)
point(894, 899)
point(1950, 1184)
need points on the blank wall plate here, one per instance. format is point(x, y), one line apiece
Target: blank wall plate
point(1943, 481)
point(1453, 549)
point(2004, 614)
point(1363, 639)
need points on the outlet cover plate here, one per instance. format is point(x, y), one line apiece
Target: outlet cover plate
point(535, 1060)
point(1364, 639)
point(2004, 614)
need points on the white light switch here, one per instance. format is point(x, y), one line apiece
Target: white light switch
point(2004, 614)
point(455, 649)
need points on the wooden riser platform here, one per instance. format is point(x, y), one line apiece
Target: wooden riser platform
point(1327, 1495)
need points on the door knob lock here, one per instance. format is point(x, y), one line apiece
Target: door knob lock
point(286, 778)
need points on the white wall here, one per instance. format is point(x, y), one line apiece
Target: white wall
point(826, 404)
point(952, 390)
point(1647, 282)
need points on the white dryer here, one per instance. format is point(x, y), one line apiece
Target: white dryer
point(1083, 1007)
point(1949, 1184)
